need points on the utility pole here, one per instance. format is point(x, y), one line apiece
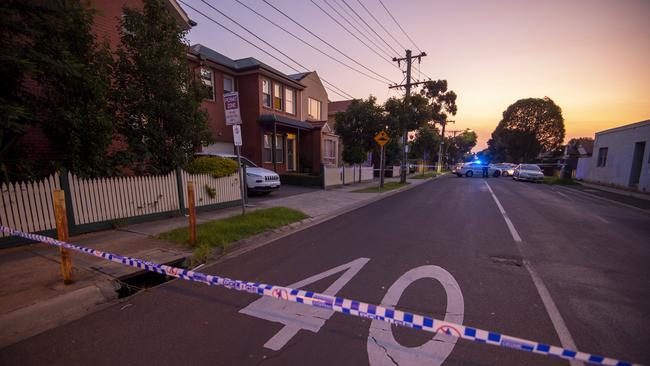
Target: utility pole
point(442, 144)
point(407, 95)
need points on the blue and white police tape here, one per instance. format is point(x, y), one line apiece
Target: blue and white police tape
point(339, 304)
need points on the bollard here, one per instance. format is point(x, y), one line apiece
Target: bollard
point(192, 211)
point(62, 234)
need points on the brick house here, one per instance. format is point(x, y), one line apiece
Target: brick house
point(333, 109)
point(283, 116)
point(106, 26)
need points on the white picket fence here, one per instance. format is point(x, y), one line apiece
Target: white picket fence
point(104, 199)
point(336, 176)
point(225, 189)
point(27, 206)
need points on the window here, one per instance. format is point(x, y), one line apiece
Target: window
point(267, 149)
point(289, 95)
point(329, 155)
point(314, 109)
point(207, 77)
point(277, 96)
point(602, 156)
point(228, 84)
point(266, 93)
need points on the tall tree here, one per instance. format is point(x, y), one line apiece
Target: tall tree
point(426, 143)
point(357, 127)
point(528, 127)
point(406, 116)
point(442, 100)
point(460, 146)
point(158, 97)
point(55, 76)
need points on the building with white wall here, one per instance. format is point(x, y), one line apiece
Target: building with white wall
point(621, 157)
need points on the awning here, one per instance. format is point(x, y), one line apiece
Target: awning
point(269, 119)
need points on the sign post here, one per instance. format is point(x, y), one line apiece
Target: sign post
point(236, 132)
point(233, 118)
point(382, 139)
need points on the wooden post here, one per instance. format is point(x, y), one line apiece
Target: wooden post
point(192, 211)
point(62, 234)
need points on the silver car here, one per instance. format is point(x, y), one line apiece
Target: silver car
point(530, 172)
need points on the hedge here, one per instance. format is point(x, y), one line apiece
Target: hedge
point(215, 166)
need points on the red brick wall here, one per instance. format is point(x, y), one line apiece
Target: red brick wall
point(108, 17)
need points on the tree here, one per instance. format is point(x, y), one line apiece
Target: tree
point(56, 76)
point(157, 97)
point(406, 116)
point(460, 146)
point(442, 100)
point(357, 127)
point(528, 127)
point(578, 142)
point(426, 143)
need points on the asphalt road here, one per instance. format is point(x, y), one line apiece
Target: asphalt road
point(591, 257)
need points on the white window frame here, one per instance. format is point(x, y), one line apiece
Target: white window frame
point(208, 83)
point(270, 94)
point(281, 96)
point(290, 92)
point(232, 82)
point(310, 111)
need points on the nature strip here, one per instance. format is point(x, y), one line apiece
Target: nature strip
point(339, 304)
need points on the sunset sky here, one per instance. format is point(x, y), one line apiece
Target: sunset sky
point(592, 57)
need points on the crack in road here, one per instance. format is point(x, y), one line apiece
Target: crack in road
point(385, 351)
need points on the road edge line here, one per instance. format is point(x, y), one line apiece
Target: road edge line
point(553, 312)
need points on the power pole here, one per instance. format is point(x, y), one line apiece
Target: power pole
point(407, 95)
point(442, 144)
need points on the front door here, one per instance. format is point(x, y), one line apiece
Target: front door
point(637, 163)
point(291, 152)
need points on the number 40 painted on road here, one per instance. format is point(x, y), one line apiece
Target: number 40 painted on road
point(382, 346)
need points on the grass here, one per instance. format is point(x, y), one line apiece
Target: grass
point(560, 181)
point(387, 187)
point(220, 233)
point(424, 176)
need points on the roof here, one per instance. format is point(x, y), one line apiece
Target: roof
point(179, 14)
point(339, 106)
point(300, 76)
point(286, 121)
point(239, 65)
point(625, 127)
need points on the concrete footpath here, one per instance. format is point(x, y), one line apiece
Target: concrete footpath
point(34, 299)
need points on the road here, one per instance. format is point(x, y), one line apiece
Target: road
point(579, 275)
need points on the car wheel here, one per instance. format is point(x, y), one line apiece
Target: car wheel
point(459, 175)
point(496, 174)
point(469, 174)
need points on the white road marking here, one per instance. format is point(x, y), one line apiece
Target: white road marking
point(511, 227)
point(552, 310)
point(564, 195)
point(383, 349)
point(602, 219)
point(297, 316)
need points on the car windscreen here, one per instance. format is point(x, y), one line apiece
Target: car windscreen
point(530, 167)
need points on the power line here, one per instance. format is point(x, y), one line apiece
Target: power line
point(373, 31)
point(347, 30)
point(382, 26)
point(347, 12)
point(324, 41)
point(400, 27)
point(265, 42)
point(342, 94)
point(309, 44)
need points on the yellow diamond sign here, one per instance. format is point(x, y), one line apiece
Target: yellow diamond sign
point(382, 138)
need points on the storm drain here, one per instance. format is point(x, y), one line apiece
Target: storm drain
point(140, 281)
point(507, 260)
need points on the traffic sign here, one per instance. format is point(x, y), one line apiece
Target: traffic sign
point(231, 107)
point(382, 138)
point(236, 133)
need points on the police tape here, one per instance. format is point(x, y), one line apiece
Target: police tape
point(338, 304)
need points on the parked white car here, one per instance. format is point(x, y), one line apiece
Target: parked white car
point(258, 179)
point(476, 169)
point(505, 169)
point(530, 172)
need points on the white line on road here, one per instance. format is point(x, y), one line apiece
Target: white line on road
point(602, 219)
point(563, 195)
point(552, 310)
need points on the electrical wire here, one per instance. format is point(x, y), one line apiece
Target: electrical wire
point(382, 26)
point(309, 44)
point(324, 41)
point(400, 27)
point(342, 93)
point(364, 22)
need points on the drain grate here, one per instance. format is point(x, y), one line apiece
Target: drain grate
point(508, 260)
